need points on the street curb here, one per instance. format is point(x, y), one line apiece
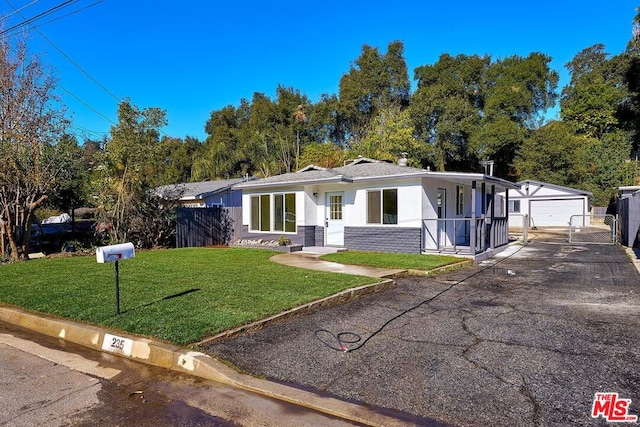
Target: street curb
point(194, 363)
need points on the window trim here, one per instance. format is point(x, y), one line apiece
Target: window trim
point(380, 217)
point(267, 204)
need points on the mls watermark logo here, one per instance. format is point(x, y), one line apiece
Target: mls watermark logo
point(612, 408)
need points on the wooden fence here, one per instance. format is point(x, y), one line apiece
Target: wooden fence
point(204, 226)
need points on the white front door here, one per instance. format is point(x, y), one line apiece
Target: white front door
point(334, 230)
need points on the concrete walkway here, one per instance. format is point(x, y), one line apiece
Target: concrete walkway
point(309, 258)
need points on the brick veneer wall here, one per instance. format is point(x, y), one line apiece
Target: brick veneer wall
point(383, 239)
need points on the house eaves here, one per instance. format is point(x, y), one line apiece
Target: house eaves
point(569, 190)
point(288, 183)
point(466, 178)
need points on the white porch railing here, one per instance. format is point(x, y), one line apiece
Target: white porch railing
point(462, 235)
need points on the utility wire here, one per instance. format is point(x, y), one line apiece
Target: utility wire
point(85, 72)
point(35, 18)
point(66, 15)
point(87, 105)
point(19, 9)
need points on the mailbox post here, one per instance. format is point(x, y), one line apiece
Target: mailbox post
point(115, 253)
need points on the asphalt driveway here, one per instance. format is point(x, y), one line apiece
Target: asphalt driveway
point(526, 339)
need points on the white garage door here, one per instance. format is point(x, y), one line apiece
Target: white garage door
point(555, 213)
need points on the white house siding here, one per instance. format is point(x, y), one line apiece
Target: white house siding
point(454, 231)
point(548, 205)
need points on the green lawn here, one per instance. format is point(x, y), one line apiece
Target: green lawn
point(178, 295)
point(391, 260)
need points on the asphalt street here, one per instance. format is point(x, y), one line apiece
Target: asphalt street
point(49, 382)
point(519, 340)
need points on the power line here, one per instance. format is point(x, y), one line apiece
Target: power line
point(19, 9)
point(35, 18)
point(68, 14)
point(85, 72)
point(86, 105)
point(68, 58)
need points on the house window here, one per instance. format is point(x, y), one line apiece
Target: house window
point(459, 200)
point(255, 212)
point(514, 206)
point(335, 207)
point(284, 212)
point(382, 206)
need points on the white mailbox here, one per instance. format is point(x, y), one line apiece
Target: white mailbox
point(115, 252)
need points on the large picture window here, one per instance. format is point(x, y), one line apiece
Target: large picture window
point(283, 212)
point(382, 206)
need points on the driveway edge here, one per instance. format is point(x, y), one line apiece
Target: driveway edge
point(334, 299)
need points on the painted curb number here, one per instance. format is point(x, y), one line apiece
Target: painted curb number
point(115, 344)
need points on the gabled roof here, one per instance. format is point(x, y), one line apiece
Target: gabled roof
point(555, 187)
point(364, 169)
point(200, 190)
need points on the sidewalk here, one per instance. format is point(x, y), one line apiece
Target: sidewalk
point(309, 258)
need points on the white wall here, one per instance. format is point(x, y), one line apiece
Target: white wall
point(535, 193)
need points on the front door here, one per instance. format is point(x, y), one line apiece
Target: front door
point(334, 229)
point(442, 214)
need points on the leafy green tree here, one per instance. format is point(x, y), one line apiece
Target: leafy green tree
point(447, 106)
point(324, 154)
point(389, 135)
point(554, 154)
point(591, 100)
point(373, 82)
point(128, 171)
point(325, 124)
point(518, 93)
point(70, 191)
point(175, 160)
point(607, 160)
point(32, 162)
point(219, 153)
point(629, 113)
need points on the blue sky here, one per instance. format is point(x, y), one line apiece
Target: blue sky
point(191, 58)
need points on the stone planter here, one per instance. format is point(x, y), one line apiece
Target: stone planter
point(271, 245)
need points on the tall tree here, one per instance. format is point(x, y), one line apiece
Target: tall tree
point(591, 100)
point(389, 136)
point(629, 114)
point(554, 154)
point(129, 169)
point(447, 106)
point(176, 159)
point(219, 153)
point(373, 82)
point(518, 93)
point(31, 162)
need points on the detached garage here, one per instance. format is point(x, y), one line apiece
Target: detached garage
point(548, 205)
